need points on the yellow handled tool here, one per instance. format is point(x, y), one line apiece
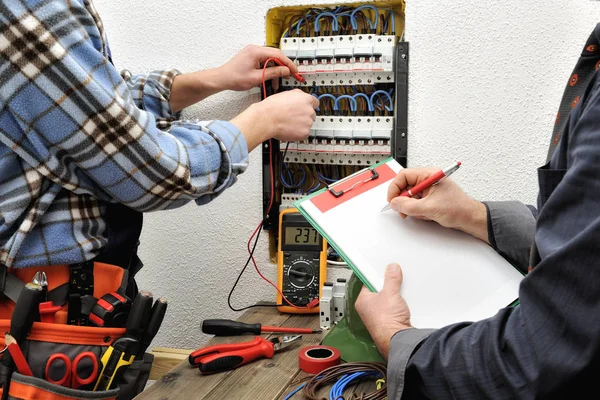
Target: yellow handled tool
point(115, 361)
point(123, 350)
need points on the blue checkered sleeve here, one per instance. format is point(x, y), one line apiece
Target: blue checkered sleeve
point(152, 92)
point(69, 113)
point(75, 135)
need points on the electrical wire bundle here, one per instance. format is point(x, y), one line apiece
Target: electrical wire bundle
point(342, 377)
point(367, 102)
point(308, 178)
point(342, 20)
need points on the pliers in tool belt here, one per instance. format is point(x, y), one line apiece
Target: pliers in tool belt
point(223, 357)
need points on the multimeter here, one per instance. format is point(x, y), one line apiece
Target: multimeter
point(301, 262)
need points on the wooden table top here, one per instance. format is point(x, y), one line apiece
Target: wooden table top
point(262, 379)
point(265, 379)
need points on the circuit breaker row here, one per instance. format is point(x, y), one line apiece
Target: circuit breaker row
point(361, 128)
point(364, 59)
point(337, 152)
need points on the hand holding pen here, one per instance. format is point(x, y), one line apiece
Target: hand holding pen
point(447, 204)
point(401, 183)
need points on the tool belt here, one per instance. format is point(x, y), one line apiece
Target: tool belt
point(45, 339)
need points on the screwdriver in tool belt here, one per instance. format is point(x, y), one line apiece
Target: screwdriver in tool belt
point(156, 318)
point(25, 313)
point(227, 327)
point(123, 350)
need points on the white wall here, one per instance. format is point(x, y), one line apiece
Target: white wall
point(486, 78)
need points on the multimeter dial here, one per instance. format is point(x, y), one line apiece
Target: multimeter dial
point(301, 261)
point(301, 273)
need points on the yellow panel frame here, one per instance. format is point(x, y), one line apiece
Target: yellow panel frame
point(276, 16)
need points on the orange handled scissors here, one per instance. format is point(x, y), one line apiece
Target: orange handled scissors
point(76, 374)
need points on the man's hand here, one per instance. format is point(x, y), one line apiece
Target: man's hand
point(444, 203)
point(244, 70)
point(286, 116)
point(386, 312)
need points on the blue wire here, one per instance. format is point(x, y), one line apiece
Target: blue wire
point(369, 105)
point(344, 14)
point(293, 392)
point(326, 179)
point(299, 23)
point(353, 20)
point(337, 390)
point(291, 185)
point(329, 96)
point(303, 179)
point(346, 96)
point(315, 188)
point(391, 107)
point(334, 22)
point(283, 181)
point(318, 98)
point(385, 26)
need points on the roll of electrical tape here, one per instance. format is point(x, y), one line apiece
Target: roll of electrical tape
point(314, 359)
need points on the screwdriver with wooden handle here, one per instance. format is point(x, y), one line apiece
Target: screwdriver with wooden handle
point(227, 327)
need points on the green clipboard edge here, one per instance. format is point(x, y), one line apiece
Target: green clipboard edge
point(298, 205)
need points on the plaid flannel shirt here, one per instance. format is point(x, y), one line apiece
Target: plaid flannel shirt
point(75, 135)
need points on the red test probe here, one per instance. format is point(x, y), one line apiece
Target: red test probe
point(296, 75)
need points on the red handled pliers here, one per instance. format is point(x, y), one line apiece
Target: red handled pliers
point(223, 357)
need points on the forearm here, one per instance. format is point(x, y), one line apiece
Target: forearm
point(249, 123)
point(474, 220)
point(511, 228)
point(508, 226)
point(191, 88)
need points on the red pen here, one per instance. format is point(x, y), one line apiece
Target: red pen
point(296, 75)
point(432, 180)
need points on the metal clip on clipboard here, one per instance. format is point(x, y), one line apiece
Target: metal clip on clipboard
point(374, 175)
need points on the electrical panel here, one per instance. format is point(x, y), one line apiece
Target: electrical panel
point(354, 59)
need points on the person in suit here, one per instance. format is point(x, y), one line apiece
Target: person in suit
point(548, 346)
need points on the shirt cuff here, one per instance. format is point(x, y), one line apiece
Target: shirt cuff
point(511, 229)
point(163, 82)
point(152, 93)
point(402, 346)
point(234, 151)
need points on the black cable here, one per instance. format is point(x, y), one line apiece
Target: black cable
point(250, 258)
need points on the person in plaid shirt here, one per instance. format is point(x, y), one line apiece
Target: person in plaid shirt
point(77, 137)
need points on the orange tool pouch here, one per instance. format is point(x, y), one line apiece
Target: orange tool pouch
point(46, 338)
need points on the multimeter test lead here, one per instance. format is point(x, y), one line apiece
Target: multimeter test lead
point(296, 75)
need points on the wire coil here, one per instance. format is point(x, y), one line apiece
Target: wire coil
point(344, 374)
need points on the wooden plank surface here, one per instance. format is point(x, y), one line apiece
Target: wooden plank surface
point(268, 377)
point(185, 382)
point(165, 359)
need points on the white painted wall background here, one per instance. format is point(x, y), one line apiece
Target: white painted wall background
point(486, 78)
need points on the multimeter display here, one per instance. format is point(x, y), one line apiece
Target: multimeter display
point(300, 235)
point(302, 262)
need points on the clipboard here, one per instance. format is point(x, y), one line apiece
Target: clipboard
point(449, 276)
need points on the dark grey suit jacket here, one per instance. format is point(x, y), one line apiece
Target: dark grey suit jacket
point(549, 345)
